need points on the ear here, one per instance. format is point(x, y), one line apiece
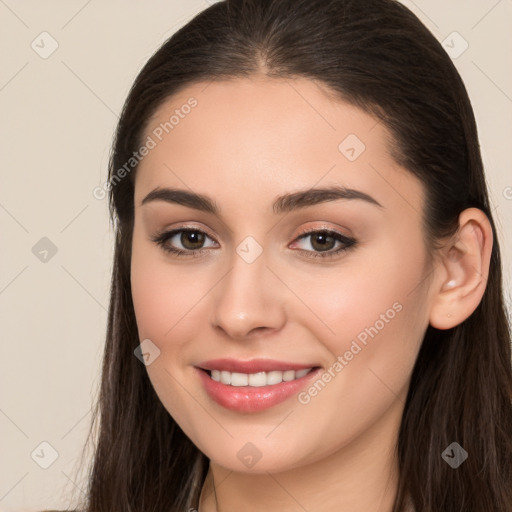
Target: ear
point(463, 269)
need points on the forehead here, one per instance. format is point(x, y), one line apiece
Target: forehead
point(274, 134)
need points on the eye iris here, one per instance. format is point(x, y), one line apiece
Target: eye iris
point(322, 241)
point(192, 239)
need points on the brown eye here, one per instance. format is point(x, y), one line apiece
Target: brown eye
point(192, 239)
point(322, 241)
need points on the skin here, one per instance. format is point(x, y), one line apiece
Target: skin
point(247, 142)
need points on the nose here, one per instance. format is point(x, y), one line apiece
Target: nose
point(248, 300)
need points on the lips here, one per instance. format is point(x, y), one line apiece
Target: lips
point(255, 385)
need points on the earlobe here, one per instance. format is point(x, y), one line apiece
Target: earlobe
point(463, 267)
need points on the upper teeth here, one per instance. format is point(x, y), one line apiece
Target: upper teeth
point(257, 379)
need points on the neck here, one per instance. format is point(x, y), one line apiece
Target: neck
point(360, 476)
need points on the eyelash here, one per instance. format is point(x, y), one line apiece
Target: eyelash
point(161, 239)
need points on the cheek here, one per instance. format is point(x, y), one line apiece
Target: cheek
point(377, 313)
point(151, 289)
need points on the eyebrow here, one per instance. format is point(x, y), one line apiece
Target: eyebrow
point(284, 203)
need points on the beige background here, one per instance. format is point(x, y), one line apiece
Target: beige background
point(58, 117)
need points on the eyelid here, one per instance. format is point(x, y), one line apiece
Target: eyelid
point(322, 228)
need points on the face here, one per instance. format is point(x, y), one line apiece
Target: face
point(283, 321)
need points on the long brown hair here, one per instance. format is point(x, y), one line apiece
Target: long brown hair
point(378, 56)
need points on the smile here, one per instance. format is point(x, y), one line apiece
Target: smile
point(255, 385)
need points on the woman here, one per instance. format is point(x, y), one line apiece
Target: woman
point(306, 308)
